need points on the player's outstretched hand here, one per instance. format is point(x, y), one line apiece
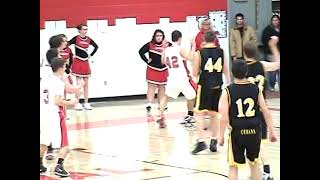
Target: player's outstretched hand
point(273, 137)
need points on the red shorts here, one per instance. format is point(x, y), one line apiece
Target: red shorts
point(157, 77)
point(80, 68)
point(63, 126)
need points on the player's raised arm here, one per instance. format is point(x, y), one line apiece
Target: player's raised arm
point(273, 66)
point(270, 66)
point(273, 47)
point(224, 111)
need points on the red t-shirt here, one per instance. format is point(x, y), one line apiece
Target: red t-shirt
point(200, 38)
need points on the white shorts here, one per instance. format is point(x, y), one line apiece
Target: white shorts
point(50, 129)
point(174, 88)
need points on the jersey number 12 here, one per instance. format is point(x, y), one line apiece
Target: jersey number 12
point(250, 111)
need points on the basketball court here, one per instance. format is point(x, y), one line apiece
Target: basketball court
point(115, 140)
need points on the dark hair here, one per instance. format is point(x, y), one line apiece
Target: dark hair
point(79, 27)
point(51, 53)
point(250, 50)
point(154, 35)
point(239, 15)
point(176, 35)
point(57, 63)
point(239, 68)
point(62, 35)
point(209, 36)
point(275, 16)
point(56, 41)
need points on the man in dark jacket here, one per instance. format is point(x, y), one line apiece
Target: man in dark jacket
point(272, 31)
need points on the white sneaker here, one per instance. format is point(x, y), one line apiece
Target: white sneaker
point(78, 107)
point(267, 176)
point(87, 106)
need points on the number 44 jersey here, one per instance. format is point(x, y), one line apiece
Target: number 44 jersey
point(212, 61)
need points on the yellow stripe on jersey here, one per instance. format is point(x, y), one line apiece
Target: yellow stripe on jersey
point(198, 99)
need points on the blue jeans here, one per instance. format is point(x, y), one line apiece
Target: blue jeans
point(273, 76)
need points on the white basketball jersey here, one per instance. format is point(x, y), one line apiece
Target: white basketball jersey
point(45, 71)
point(50, 87)
point(174, 61)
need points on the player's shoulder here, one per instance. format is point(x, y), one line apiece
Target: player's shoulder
point(219, 49)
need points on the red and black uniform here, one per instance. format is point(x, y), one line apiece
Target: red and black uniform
point(157, 72)
point(67, 55)
point(81, 66)
point(200, 39)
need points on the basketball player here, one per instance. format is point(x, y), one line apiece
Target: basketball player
point(81, 67)
point(52, 121)
point(256, 75)
point(157, 72)
point(47, 71)
point(205, 26)
point(209, 64)
point(174, 58)
point(240, 105)
point(189, 120)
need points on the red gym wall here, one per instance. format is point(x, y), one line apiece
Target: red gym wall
point(146, 11)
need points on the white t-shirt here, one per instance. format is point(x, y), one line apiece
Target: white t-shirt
point(175, 62)
point(50, 86)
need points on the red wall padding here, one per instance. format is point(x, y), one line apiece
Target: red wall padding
point(146, 11)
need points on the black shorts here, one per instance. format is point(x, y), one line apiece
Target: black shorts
point(207, 99)
point(244, 140)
